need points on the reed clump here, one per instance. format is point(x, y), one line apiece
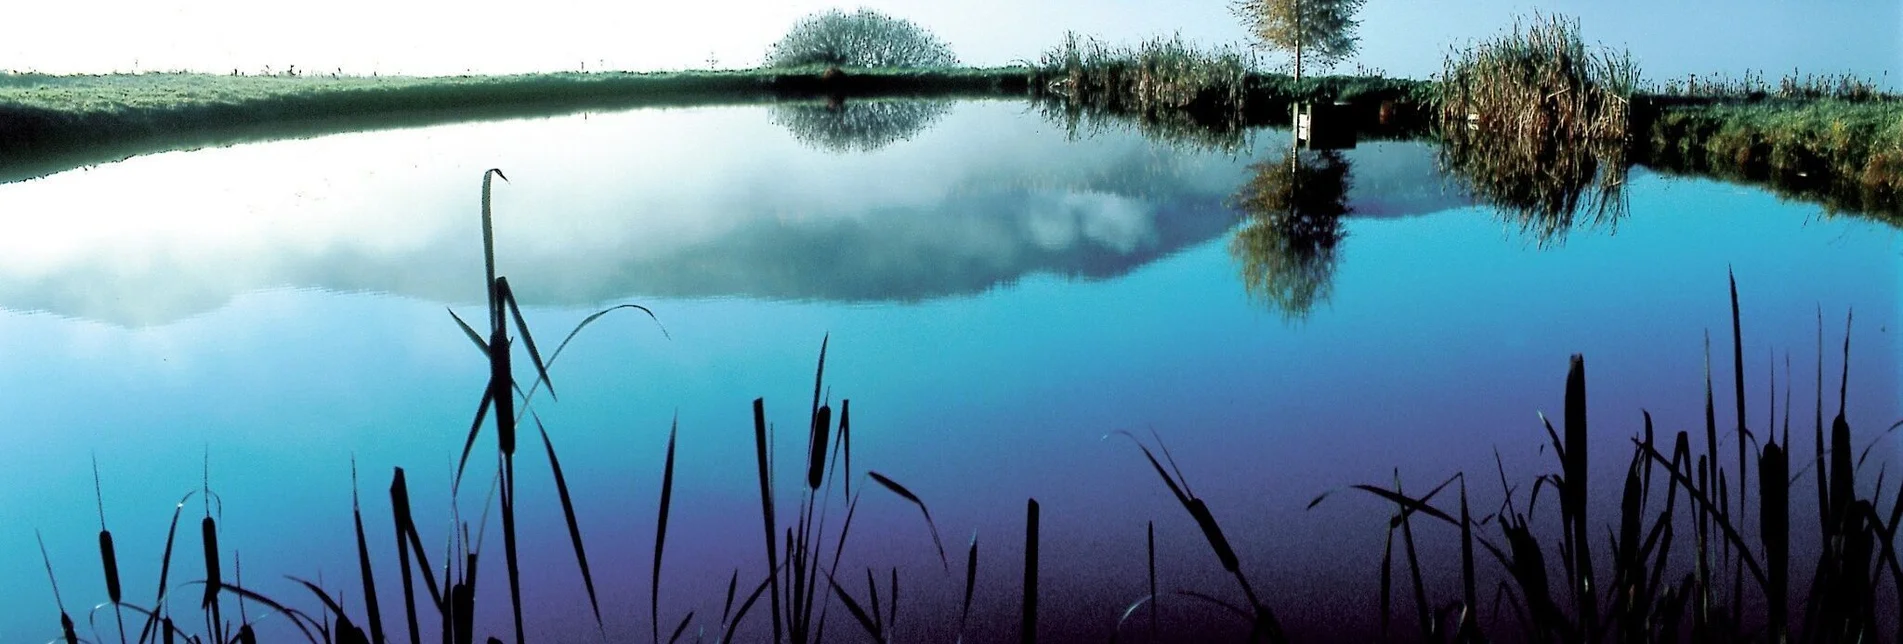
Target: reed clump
point(1536, 123)
point(1169, 87)
point(1539, 82)
point(1698, 550)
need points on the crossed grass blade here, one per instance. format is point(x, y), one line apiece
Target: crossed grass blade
point(1423, 613)
point(346, 630)
point(298, 618)
point(165, 566)
point(745, 606)
point(907, 494)
point(681, 627)
point(408, 540)
point(568, 517)
point(857, 610)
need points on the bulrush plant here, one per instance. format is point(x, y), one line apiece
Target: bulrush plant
point(1263, 625)
point(1653, 597)
point(796, 557)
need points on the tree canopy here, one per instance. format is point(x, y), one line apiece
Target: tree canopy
point(864, 38)
point(1322, 31)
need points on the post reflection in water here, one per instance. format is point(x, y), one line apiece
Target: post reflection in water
point(1286, 249)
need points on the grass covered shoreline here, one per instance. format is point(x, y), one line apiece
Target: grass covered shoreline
point(50, 124)
point(1845, 153)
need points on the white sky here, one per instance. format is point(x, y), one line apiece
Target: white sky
point(428, 37)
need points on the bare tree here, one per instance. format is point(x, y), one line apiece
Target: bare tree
point(1318, 30)
point(864, 38)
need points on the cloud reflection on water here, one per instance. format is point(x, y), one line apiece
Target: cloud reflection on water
point(698, 203)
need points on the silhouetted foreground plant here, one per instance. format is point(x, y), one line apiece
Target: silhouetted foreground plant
point(798, 603)
point(1735, 565)
point(1713, 593)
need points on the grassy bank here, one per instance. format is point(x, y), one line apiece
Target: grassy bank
point(53, 123)
point(1845, 154)
point(1802, 141)
point(1176, 91)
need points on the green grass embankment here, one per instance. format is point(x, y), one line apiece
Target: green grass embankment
point(1847, 155)
point(53, 123)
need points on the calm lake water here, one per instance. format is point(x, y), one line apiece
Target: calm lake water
point(999, 298)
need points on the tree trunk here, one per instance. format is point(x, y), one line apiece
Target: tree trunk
point(1299, 37)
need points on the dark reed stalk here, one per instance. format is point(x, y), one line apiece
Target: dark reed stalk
point(1706, 479)
point(108, 556)
point(1737, 362)
point(405, 525)
point(371, 607)
point(1150, 549)
point(816, 445)
point(878, 618)
point(1027, 631)
point(65, 620)
point(165, 567)
point(462, 600)
point(245, 634)
point(766, 512)
point(1823, 486)
point(1386, 598)
point(1469, 586)
point(1628, 559)
point(845, 442)
point(1573, 494)
point(1422, 613)
point(971, 579)
point(1774, 525)
point(508, 544)
point(214, 579)
point(660, 537)
point(726, 609)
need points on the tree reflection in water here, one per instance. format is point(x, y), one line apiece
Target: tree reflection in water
point(840, 126)
point(1286, 248)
